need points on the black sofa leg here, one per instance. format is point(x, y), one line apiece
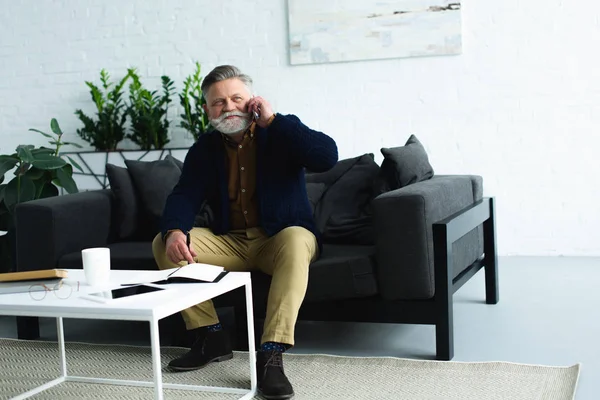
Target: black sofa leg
point(444, 327)
point(444, 340)
point(491, 257)
point(28, 328)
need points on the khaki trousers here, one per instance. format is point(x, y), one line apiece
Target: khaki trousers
point(285, 256)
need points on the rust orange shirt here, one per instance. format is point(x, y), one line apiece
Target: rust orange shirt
point(241, 184)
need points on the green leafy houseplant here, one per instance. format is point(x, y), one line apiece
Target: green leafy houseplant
point(38, 173)
point(148, 113)
point(193, 119)
point(108, 128)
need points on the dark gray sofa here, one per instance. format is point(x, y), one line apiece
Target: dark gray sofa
point(398, 258)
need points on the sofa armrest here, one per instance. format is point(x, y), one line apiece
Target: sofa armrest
point(403, 223)
point(49, 228)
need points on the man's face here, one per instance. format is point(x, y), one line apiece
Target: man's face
point(226, 103)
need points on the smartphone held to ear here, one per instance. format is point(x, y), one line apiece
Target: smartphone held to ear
point(256, 112)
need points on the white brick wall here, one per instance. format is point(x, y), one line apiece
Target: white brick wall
point(520, 106)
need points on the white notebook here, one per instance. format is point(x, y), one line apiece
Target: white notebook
point(190, 273)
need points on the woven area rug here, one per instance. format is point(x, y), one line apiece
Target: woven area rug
point(27, 364)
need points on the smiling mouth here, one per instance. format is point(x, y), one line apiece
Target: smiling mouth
point(232, 116)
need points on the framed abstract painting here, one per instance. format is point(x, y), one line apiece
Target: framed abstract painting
point(349, 30)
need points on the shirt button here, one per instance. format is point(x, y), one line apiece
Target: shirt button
point(243, 190)
point(242, 168)
point(240, 146)
point(245, 212)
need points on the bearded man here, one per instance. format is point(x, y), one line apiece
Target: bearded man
point(250, 171)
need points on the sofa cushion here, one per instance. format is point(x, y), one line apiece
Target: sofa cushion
point(123, 256)
point(153, 182)
point(125, 216)
point(315, 192)
point(342, 214)
point(405, 164)
point(174, 160)
point(341, 272)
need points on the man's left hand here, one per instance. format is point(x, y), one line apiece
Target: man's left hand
point(262, 108)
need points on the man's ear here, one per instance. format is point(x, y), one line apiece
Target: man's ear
point(205, 108)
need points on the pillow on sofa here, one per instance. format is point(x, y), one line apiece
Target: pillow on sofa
point(175, 161)
point(343, 212)
point(405, 164)
point(315, 192)
point(153, 182)
point(126, 206)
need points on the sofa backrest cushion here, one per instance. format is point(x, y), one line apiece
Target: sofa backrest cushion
point(315, 191)
point(125, 215)
point(153, 182)
point(405, 164)
point(342, 213)
point(174, 160)
point(340, 198)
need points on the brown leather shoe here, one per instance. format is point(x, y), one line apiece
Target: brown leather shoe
point(208, 347)
point(272, 382)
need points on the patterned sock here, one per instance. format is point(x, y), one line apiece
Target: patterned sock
point(215, 327)
point(273, 346)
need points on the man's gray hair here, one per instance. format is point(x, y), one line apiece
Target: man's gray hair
point(222, 73)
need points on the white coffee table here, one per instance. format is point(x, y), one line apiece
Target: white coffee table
point(149, 307)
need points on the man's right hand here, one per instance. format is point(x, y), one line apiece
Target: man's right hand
point(177, 248)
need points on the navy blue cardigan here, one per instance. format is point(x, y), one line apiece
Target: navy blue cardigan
point(284, 149)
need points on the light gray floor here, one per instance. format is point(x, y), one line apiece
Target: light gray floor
point(548, 314)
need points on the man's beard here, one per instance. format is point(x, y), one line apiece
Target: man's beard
point(233, 125)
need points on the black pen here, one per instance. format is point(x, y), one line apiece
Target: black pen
point(175, 271)
point(188, 241)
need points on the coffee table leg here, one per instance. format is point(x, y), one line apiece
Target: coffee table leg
point(251, 347)
point(156, 365)
point(61, 346)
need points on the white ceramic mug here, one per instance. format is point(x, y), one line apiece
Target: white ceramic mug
point(96, 265)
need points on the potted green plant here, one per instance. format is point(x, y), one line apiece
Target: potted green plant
point(194, 118)
point(38, 173)
point(107, 129)
point(148, 113)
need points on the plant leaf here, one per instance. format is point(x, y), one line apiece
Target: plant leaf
point(43, 133)
point(55, 127)
point(47, 161)
point(48, 190)
point(7, 163)
point(42, 150)
point(66, 180)
point(34, 173)
point(73, 144)
point(24, 153)
point(15, 193)
point(75, 164)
